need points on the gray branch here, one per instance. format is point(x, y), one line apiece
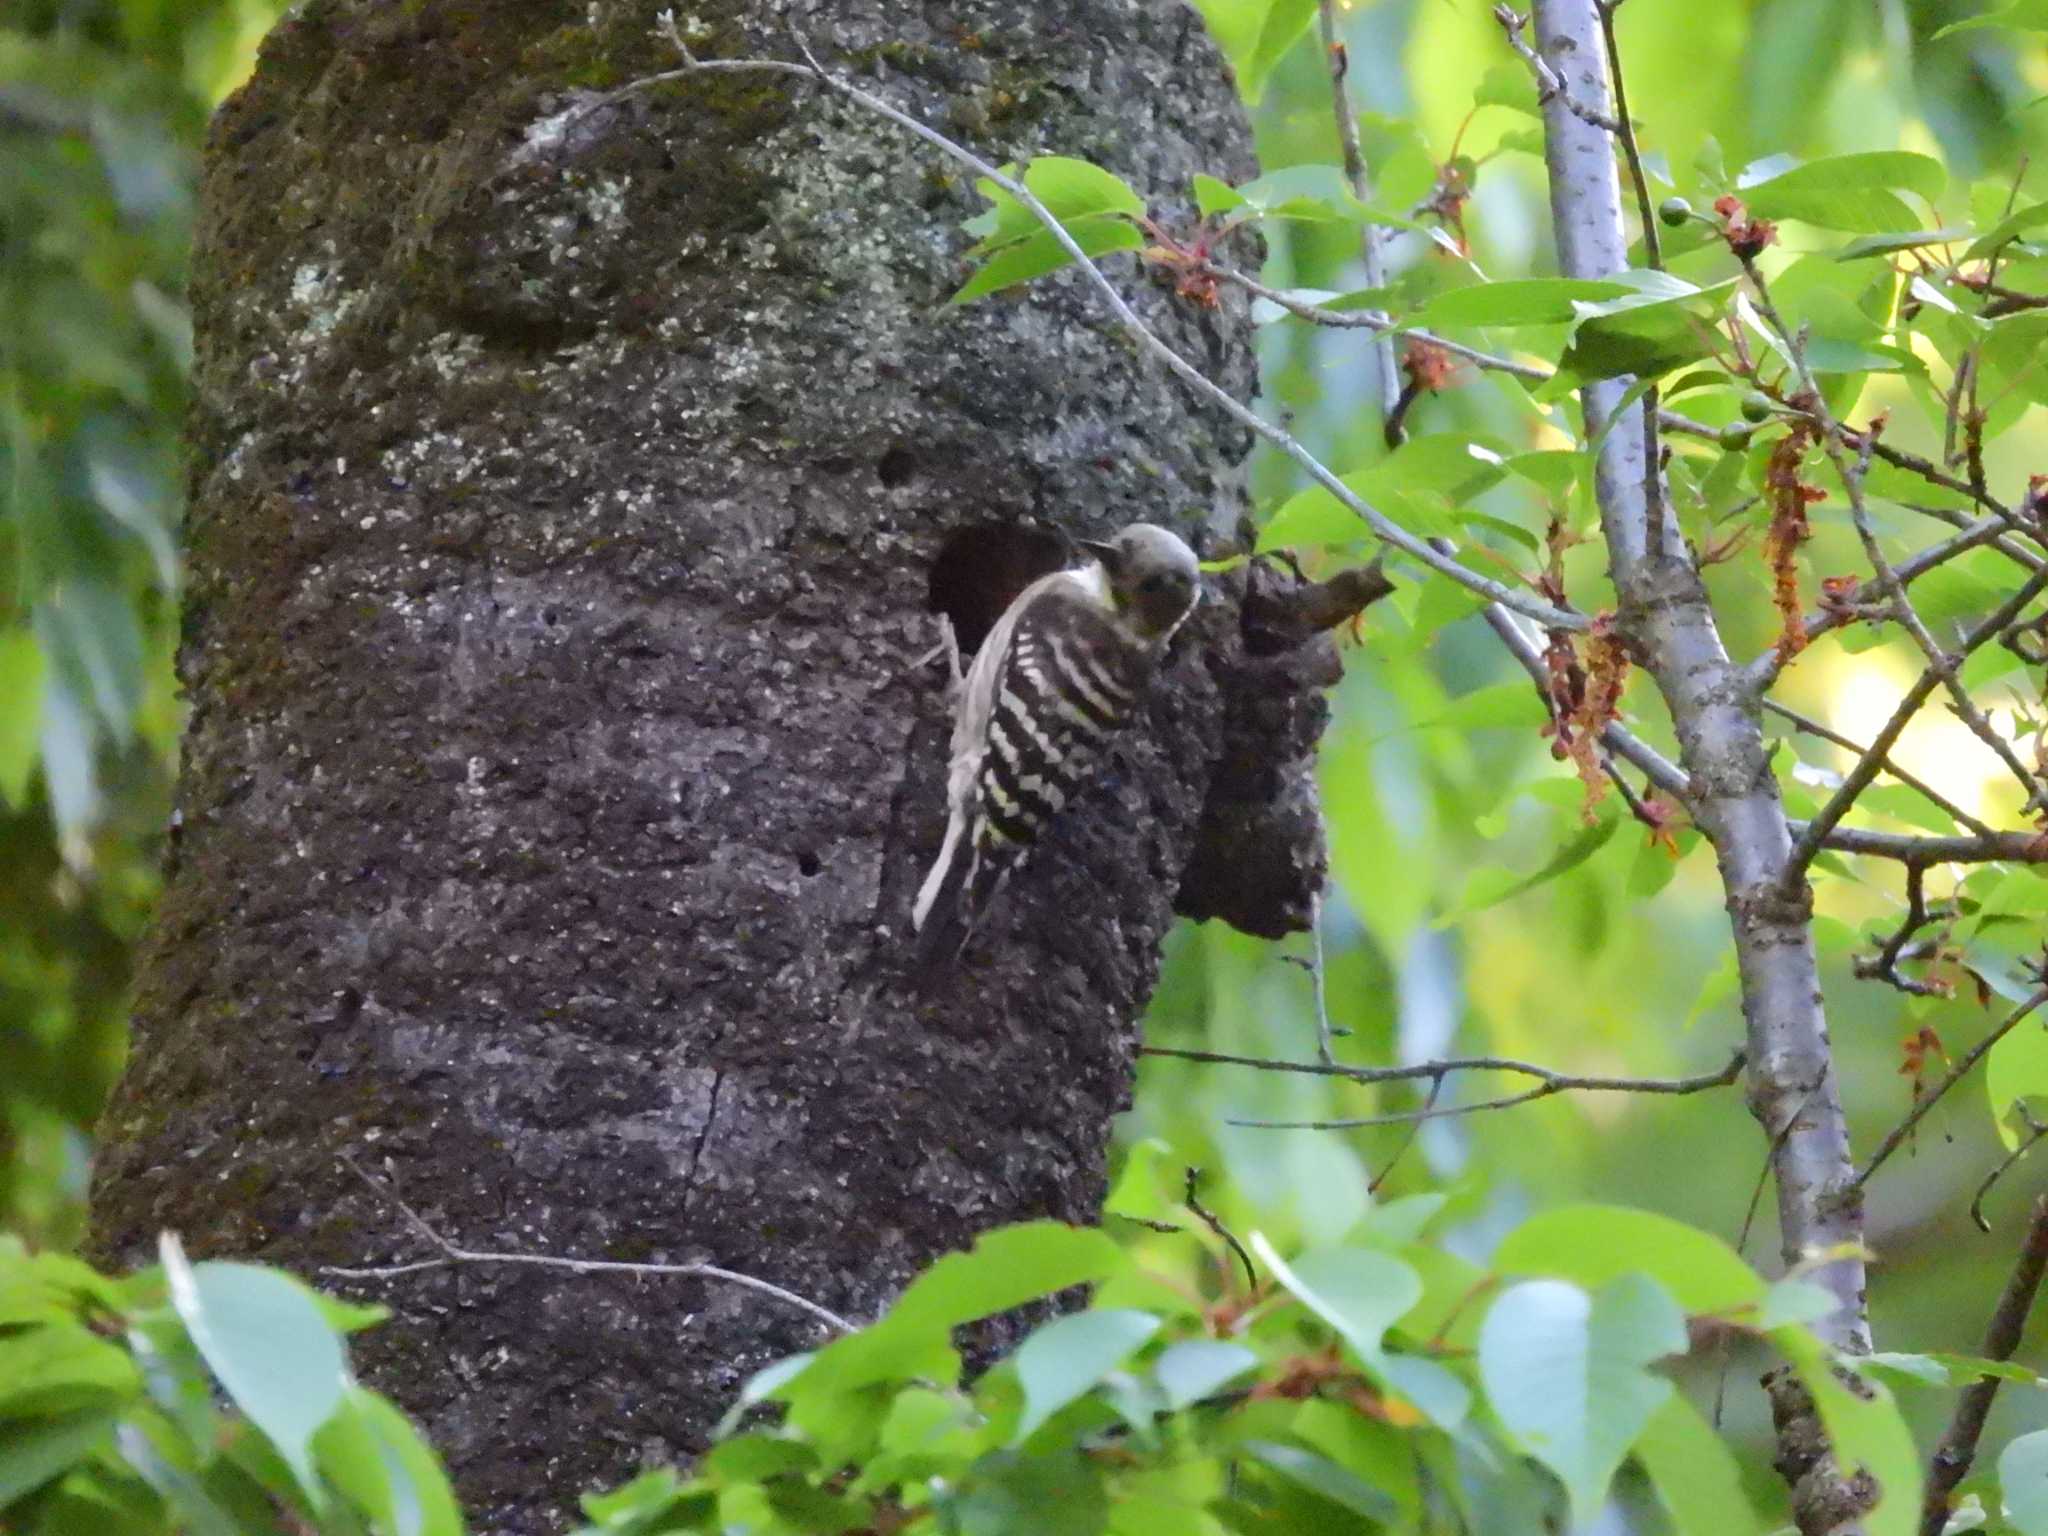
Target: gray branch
point(1734, 798)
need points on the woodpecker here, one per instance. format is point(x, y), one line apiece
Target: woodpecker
point(1061, 671)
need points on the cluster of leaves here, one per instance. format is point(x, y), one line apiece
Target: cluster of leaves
point(101, 107)
point(1380, 1383)
point(207, 1398)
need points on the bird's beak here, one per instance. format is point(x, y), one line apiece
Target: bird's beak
point(1106, 553)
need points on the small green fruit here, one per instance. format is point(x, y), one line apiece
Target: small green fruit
point(1734, 437)
point(1674, 211)
point(1758, 406)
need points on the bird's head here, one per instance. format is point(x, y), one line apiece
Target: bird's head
point(1154, 578)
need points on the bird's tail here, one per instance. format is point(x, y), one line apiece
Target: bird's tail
point(955, 893)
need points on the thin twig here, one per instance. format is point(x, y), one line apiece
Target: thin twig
point(1617, 738)
point(1984, 847)
point(1339, 61)
point(1436, 1088)
point(1933, 1096)
point(1990, 529)
point(1322, 995)
point(1551, 1082)
point(1958, 1448)
point(1699, 1084)
point(1548, 86)
point(1884, 965)
point(452, 1254)
point(1215, 1224)
point(1373, 320)
point(1912, 848)
point(2035, 1131)
point(1814, 727)
point(1381, 526)
point(1939, 662)
point(1816, 833)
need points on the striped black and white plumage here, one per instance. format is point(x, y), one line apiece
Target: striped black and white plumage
point(1062, 670)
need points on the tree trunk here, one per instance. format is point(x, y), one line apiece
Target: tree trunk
point(568, 475)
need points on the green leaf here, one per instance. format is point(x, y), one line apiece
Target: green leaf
point(60, 1367)
point(86, 627)
point(1315, 193)
point(1360, 1292)
point(2006, 231)
point(1006, 1493)
point(1191, 1370)
point(2016, 1071)
point(1525, 301)
point(656, 1501)
point(1910, 240)
point(2022, 15)
point(1005, 1269)
point(1664, 323)
point(262, 1335)
point(34, 1454)
point(1489, 886)
point(1254, 35)
point(2023, 1482)
point(1849, 192)
point(1325, 1478)
point(423, 1500)
point(1038, 254)
point(1070, 1355)
point(21, 713)
point(1865, 1429)
point(1069, 189)
point(1566, 1373)
point(1508, 85)
point(1213, 197)
point(1596, 1244)
point(1415, 485)
point(1555, 469)
point(1793, 1300)
point(1695, 1474)
point(755, 1458)
point(1094, 206)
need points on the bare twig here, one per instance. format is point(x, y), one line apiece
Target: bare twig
point(1816, 833)
point(1548, 86)
point(1338, 59)
point(1983, 847)
point(1617, 738)
point(1814, 728)
point(2035, 1132)
point(1884, 965)
point(1939, 662)
point(1373, 320)
point(1958, 1448)
point(1552, 1083)
point(1933, 1096)
point(1215, 1224)
point(452, 1254)
point(1549, 1081)
point(1436, 1088)
point(1322, 993)
point(1910, 848)
point(1990, 529)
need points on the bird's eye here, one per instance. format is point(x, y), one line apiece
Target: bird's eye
point(1156, 582)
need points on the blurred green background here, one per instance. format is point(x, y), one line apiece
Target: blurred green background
point(1617, 965)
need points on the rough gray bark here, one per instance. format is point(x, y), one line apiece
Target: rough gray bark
point(565, 493)
point(1669, 624)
